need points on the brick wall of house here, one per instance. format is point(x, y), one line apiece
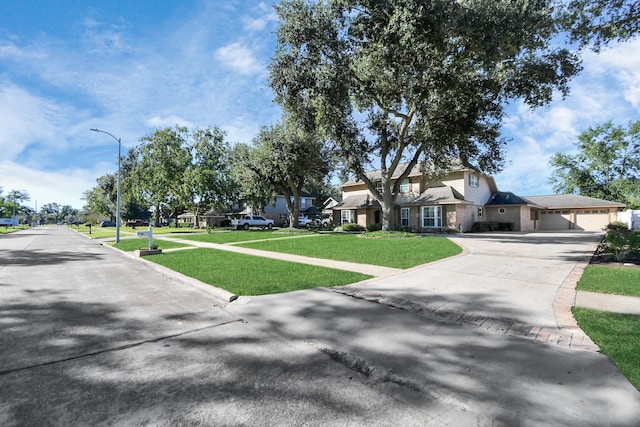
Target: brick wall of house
point(511, 214)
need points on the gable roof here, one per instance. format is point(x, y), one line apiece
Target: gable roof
point(357, 201)
point(376, 174)
point(502, 198)
point(442, 195)
point(560, 201)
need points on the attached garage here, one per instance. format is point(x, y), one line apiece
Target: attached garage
point(574, 212)
point(555, 219)
point(592, 219)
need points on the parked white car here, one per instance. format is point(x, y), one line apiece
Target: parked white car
point(252, 221)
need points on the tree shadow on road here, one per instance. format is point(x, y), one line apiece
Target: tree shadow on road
point(35, 258)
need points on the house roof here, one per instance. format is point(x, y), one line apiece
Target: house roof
point(376, 174)
point(443, 195)
point(357, 201)
point(561, 201)
point(502, 198)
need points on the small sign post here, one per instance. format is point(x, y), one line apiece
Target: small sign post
point(149, 234)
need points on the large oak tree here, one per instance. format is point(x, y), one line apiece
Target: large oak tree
point(415, 80)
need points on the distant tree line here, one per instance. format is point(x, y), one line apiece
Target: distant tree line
point(13, 204)
point(176, 170)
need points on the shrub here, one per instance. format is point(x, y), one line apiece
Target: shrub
point(374, 227)
point(352, 227)
point(450, 230)
point(505, 226)
point(620, 242)
point(617, 225)
point(481, 227)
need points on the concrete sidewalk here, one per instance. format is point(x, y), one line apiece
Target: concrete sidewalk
point(607, 302)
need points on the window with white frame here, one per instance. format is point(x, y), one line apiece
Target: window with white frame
point(474, 181)
point(379, 186)
point(303, 203)
point(404, 217)
point(347, 216)
point(404, 186)
point(431, 216)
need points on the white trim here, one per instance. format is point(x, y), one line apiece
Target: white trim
point(403, 218)
point(425, 215)
point(348, 218)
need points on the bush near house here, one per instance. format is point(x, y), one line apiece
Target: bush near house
point(620, 242)
point(374, 227)
point(481, 227)
point(352, 227)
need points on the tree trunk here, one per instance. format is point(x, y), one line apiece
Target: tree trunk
point(388, 203)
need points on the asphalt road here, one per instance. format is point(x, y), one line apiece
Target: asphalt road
point(89, 336)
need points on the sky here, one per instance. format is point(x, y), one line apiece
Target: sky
point(130, 67)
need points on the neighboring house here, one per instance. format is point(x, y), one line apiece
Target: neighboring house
point(278, 211)
point(464, 196)
point(210, 218)
point(329, 204)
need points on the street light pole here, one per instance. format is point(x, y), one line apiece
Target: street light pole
point(118, 189)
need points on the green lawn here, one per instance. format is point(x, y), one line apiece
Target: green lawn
point(251, 275)
point(10, 229)
point(387, 252)
point(241, 236)
point(611, 280)
point(130, 245)
point(617, 335)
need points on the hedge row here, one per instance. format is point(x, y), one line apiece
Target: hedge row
point(481, 227)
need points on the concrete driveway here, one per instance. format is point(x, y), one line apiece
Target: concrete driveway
point(513, 276)
point(92, 337)
point(481, 333)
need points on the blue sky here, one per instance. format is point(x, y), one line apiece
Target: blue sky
point(129, 67)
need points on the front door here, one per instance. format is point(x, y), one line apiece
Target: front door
point(376, 217)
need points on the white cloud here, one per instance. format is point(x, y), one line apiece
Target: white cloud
point(64, 187)
point(239, 58)
point(168, 121)
point(24, 119)
point(267, 17)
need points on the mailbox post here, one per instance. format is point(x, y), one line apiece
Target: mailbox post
point(149, 234)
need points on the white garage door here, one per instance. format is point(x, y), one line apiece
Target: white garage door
point(592, 219)
point(555, 220)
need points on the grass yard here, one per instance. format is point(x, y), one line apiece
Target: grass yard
point(611, 280)
point(617, 335)
point(222, 237)
point(387, 252)
point(11, 229)
point(251, 275)
point(130, 245)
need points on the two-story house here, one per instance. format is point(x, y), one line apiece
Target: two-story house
point(278, 210)
point(464, 196)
